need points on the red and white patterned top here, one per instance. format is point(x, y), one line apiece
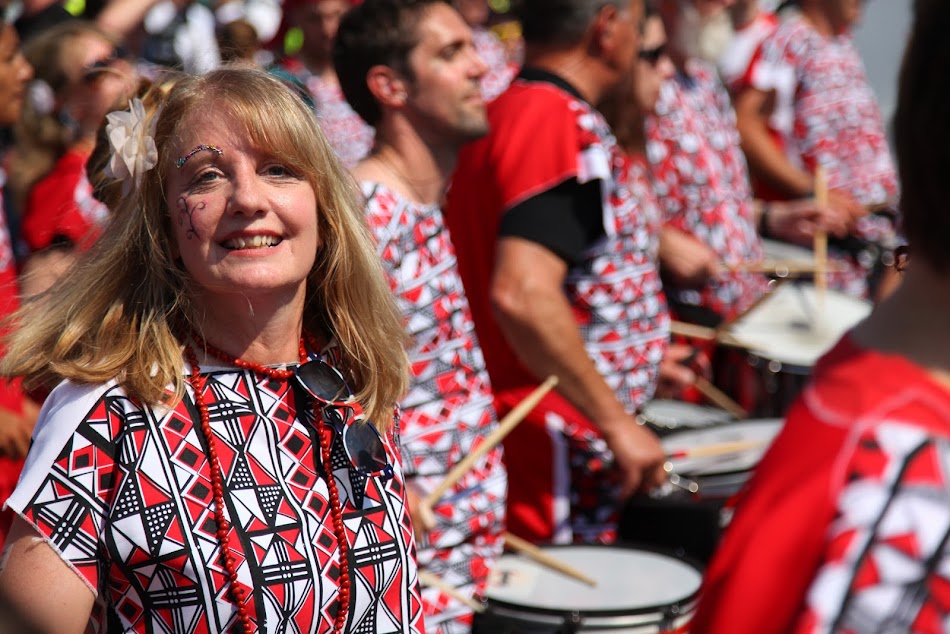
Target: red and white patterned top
point(500, 70)
point(448, 411)
point(346, 132)
point(123, 493)
point(615, 291)
point(702, 181)
point(826, 113)
point(845, 524)
point(736, 61)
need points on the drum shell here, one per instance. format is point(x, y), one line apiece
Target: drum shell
point(506, 615)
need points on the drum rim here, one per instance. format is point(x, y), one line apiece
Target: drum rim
point(680, 607)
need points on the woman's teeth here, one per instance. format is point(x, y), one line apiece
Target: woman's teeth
point(254, 242)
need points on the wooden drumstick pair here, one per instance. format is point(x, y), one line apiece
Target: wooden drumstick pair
point(508, 423)
point(821, 239)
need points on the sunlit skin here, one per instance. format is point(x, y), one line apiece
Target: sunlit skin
point(15, 72)
point(649, 75)
point(445, 102)
point(90, 96)
point(319, 21)
point(245, 225)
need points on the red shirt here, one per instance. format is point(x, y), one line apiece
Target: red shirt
point(841, 527)
point(61, 205)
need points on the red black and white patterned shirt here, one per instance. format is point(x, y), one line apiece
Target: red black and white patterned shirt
point(123, 494)
point(825, 113)
point(615, 290)
point(448, 411)
point(702, 181)
point(845, 525)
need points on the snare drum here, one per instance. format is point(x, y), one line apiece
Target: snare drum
point(665, 416)
point(638, 592)
point(721, 475)
point(787, 333)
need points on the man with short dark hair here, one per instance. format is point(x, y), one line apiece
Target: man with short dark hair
point(542, 225)
point(409, 67)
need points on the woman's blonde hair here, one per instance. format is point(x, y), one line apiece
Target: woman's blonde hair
point(119, 311)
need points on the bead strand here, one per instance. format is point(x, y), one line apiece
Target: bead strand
point(198, 384)
point(326, 440)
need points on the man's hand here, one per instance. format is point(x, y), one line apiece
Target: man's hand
point(798, 221)
point(685, 259)
point(638, 454)
point(678, 370)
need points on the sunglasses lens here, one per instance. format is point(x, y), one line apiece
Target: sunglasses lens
point(365, 447)
point(323, 381)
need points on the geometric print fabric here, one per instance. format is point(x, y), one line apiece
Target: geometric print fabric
point(887, 562)
point(123, 492)
point(448, 410)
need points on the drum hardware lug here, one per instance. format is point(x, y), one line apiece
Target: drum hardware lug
point(572, 623)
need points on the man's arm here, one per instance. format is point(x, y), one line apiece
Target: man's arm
point(537, 320)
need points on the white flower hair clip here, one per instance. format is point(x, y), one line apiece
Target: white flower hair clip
point(131, 136)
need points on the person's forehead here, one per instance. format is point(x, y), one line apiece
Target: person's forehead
point(440, 24)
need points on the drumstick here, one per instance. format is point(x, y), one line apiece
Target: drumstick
point(718, 397)
point(537, 555)
point(821, 238)
point(694, 331)
point(434, 581)
point(780, 268)
point(715, 450)
point(504, 428)
point(727, 323)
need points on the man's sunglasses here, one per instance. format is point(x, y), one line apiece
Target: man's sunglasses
point(363, 444)
point(652, 55)
point(96, 69)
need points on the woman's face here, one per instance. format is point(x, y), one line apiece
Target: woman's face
point(99, 80)
point(15, 72)
point(653, 64)
point(243, 223)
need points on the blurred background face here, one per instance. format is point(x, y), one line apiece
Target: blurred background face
point(99, 79)
point(653, 65)
point(703, 28)
point(843, 14)
point(474, 12)
point(15, 72)
point(319, 22)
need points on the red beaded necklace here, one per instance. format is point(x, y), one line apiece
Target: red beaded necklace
point(198, 384)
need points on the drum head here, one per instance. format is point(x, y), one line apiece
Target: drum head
point(760, 432)
point(629, 581)
point(794, 327)
point(667, 414)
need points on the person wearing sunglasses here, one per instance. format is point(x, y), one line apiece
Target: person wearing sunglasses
point(80, 76)
point(424, 100)
point(221, 446)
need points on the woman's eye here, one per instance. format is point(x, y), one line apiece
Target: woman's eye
point(277, 170)
point(206, 177)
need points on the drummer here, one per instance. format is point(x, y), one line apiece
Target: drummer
point(711, 221)
point(844, 525)
point(423, 106)
point(805, 101)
